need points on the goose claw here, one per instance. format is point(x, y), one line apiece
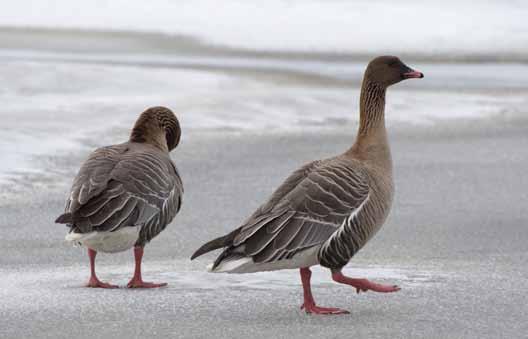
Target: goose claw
point(314, 309)
point(134, 283)
point(96, 283)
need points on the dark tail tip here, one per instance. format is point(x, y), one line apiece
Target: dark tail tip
point(65, 218)
point(226, 240)
point(202, 250)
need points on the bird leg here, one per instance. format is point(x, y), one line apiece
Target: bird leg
point(137, 281)
point(363, 285)
point(309, 302)
point(94, 281)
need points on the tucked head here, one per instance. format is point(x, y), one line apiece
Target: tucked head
point(157, 126)
point(389, 70)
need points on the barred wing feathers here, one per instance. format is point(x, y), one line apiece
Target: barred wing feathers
point(125, 185)
point(304, 211)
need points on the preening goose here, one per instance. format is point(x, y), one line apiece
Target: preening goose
point(327, 210)
point(124, 195)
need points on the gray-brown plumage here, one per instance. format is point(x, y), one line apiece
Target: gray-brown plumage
point(326, 211)
point(124, 195)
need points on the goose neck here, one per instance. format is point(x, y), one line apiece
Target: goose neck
point(371, 109)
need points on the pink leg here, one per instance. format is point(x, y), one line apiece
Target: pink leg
point(94, 282)
point(363, 284)
point(137, 281)
point(309, 302)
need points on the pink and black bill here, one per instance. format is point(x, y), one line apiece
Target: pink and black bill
point(409, 73)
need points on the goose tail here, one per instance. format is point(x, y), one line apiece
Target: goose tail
point(224, 241)
point(65, 218)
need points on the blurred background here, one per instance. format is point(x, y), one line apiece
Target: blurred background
point(72, 69)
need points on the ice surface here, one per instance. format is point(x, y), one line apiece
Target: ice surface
point(453, 258)
point(449, 27)
point(54, 106)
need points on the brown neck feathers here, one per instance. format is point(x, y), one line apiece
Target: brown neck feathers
point(371, 108)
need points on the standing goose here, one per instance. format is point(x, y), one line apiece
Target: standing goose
point(124, 195)
point(327, 210)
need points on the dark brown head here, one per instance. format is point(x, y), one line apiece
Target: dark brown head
point(389, 70)
point(157, 126)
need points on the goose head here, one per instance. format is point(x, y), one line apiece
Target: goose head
point(389, 70)
point(157, 126)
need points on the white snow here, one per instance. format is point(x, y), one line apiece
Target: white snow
point(410, 26)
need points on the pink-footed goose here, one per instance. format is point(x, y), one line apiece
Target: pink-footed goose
point(124, 195)
point(327, 210)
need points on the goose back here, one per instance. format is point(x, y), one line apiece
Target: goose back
point(125, 185)
point(307, 211)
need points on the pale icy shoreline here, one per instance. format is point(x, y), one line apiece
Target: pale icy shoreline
point(55, 102)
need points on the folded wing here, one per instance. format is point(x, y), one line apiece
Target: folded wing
point(124, 185)
point(304, 212)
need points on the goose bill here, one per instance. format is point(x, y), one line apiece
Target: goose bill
point(413, 74)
